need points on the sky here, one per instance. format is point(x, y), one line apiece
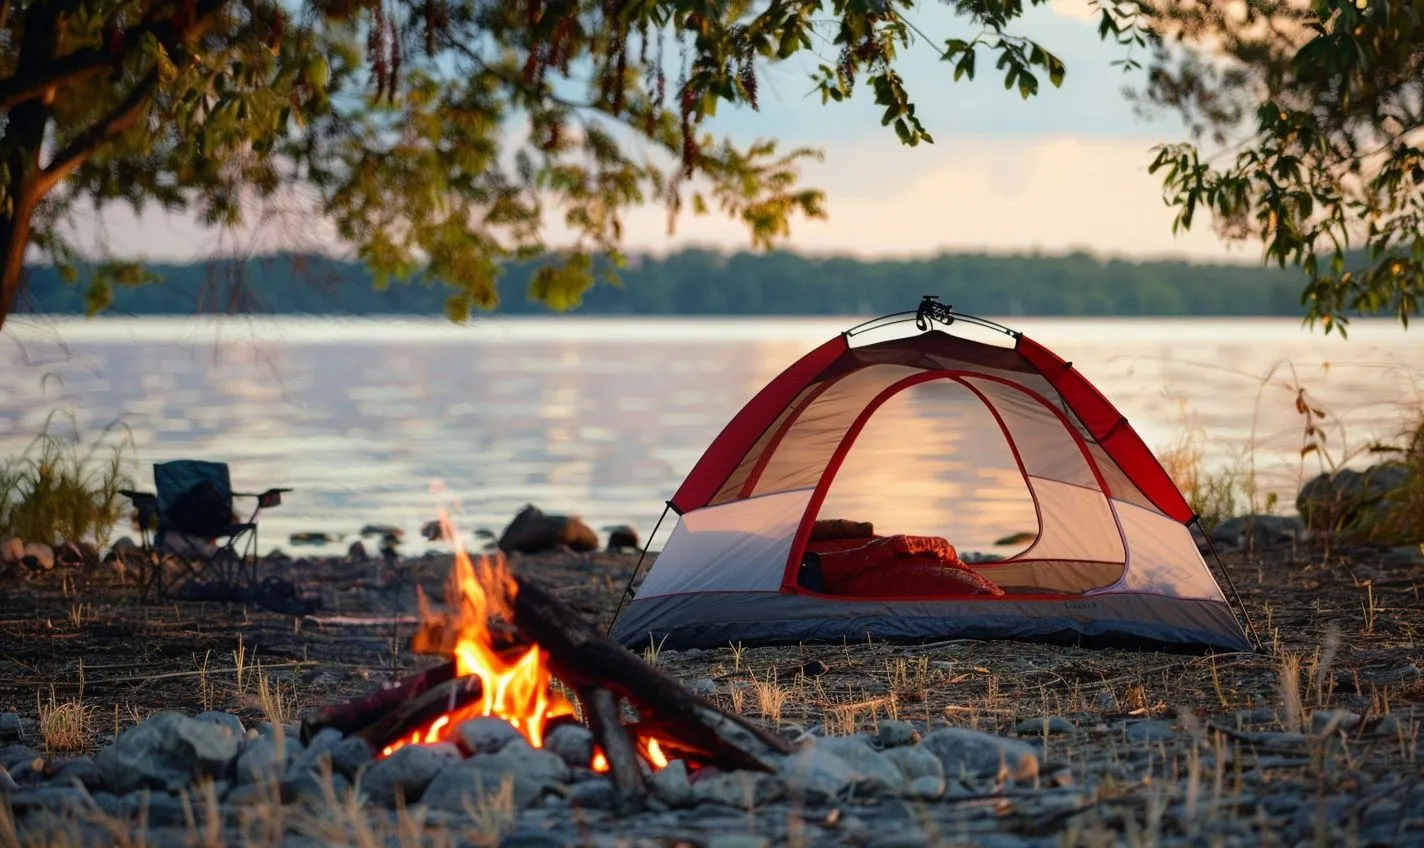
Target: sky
point(1063, 171)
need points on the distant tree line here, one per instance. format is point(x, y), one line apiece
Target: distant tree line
point(702, 282)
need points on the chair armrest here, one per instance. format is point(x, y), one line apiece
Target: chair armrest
point(269, 498)
point(139, 497)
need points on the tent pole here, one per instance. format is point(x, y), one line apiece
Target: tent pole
point(637, 569)
point(1230, 585)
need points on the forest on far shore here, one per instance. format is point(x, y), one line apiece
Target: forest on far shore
point(704, 282)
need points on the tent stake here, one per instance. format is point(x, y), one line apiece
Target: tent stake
point(1231, 585)
point(637, 569)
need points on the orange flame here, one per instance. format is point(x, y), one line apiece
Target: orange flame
point(515, 690)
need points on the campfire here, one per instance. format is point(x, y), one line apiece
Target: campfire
point(507, 641)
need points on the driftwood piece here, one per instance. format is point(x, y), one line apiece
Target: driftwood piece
point(612, 737)
point(354, 715)
point(586, 659)
point(404, 719)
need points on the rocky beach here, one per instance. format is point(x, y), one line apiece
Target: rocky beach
point(132, 721)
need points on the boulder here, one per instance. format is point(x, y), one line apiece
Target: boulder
point(166, 752)
point(12, 550)
point(38, 556)
point(76, 555)
point(1259, 532)
point(976, 754)
point(532, 532)
point(407, 773)
point(532, 771)
point(874, 773)
point(1352, 503)
point(622, 539)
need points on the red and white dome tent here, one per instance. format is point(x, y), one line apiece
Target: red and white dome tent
point(751, 559)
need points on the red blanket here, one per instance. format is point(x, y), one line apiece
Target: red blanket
point(896, 566)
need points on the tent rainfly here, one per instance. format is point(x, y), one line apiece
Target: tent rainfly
point(752, 561)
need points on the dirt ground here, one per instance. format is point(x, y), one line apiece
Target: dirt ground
point(1348, 633)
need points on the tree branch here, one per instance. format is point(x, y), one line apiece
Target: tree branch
point(92, 60)
point(113, 125)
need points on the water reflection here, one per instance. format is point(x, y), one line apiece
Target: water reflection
point(604, 417)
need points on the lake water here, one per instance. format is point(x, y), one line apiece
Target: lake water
point(603, 417)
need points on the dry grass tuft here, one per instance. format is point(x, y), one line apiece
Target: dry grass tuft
point(65, 725)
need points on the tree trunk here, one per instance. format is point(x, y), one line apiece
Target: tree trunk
point(20, 146)
point(14, 238)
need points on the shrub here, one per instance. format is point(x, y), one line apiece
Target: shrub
point(57, 491)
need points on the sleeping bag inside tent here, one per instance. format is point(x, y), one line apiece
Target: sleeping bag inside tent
point(775, 541)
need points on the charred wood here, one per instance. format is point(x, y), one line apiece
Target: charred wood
point(366, 710)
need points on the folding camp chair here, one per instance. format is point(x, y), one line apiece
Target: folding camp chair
point(194, 499)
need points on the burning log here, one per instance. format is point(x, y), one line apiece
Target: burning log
point(602, 710)
point(409, 717)
point(362, 712)
point(585, 659)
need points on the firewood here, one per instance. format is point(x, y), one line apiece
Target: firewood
point(585, 659)
point(402, 720)
point(356, 714)
point(601, 708)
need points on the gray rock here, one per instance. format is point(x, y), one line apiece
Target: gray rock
point(817, 773)
point(670, 785)
point(166, 752)
point(1351, 500)
point(573, 743)
point(1147, 732)
point(80, 770)
point(1387, 725)
point(12, 729)
point(976, 754)
point(291, 730)
point(533, 772)
point(900, 836)
point(927, 788)
point(248, 794)
point(350, 756)
point(915, 762)
point(53, 799)
point(310, 787)
point(12, 756)
point(31, 771)
point(737, 840)
point(743, 789)
point(1040, 725)
point(227, 720)
point(260, 761)
point(703, 687)
point(596, 794)
point(161, 810)
point(532, 837)
point(1404, 556)
point(1325, 722)
point(486, 734)
point(892, 733)
point(1259, 532)
point(409, 772)
point(875, 775)
point(317, 752)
